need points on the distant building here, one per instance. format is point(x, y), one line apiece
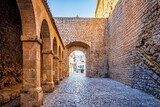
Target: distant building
point(76, 62)
point(72, 62)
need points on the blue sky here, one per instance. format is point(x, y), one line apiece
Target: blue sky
point(72, 8)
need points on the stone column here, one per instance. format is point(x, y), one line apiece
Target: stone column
point(66, 70)
point(47, 73)
point(67, 66)
point(31, 93)
point(63, 70)
point(67, 74)
point(60, 69)
point(56, 69)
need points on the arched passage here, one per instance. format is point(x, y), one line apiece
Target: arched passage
point(55, 62)
point(63, 66)
point(46, 59)
point(55, 46)
point(28, 18)
point(31, 55)
point(11, 58)
point(73, 46)
point(60, 64)
point(77, 62)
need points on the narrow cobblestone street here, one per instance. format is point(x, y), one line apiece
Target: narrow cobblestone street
point(80, 91)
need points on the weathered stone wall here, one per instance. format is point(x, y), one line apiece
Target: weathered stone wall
point(10, 44)
point(133, 31)
point(88, 31)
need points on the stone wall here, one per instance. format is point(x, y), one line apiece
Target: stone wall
point(90, 32)
point(10, 44)
point(133, 31)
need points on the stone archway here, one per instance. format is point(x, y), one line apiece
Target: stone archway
point(60, 64)
point(46, 59)
point(31, 91)
point(63, 66)
point(55, 62)
point(28, 19)
point(55, 46)
point(85, 48)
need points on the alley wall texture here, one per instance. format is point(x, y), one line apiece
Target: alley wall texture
point(87, 33)
point(133, 37)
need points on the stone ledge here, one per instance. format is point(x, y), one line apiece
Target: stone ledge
point(55, 57)
point(47, 52)
point(9, 93)
point(31, 39)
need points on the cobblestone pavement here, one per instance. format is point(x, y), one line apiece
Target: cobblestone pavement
point(80, 91)
point(13, 103)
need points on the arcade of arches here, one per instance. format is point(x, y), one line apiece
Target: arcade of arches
point(122, 43)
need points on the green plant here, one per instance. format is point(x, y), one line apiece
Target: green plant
point(82, 70)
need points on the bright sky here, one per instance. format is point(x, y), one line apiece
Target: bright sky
point(77, 52)
point(72, 8)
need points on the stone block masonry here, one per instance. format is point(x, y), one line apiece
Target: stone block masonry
point(91, 32)
point(125, 46)
point(133, 36)
point(27, 31)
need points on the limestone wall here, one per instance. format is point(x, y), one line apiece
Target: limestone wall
point(90, 32)
point(133, 31)
point(10, 44)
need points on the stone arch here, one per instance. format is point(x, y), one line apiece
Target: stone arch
point(46, 58)
point(11, 59)
point(31, 55)
point(55, 62)
point(60, 54)
point(74, 48)
point(60, 63)
point(55, 47)
point(45, 36)
point(78, 45)
point(27, 17)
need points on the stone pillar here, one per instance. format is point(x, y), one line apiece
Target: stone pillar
point(47, 73)
point(67, 74)
point(31, 93)
point(60, 70)
point(56, 69)
point(67, 67)
point(63, 70)
point(66, 70)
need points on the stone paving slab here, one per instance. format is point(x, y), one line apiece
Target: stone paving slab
point(13, 103)
point(80, 91)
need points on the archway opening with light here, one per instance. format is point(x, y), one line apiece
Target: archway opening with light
point(77, 62)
